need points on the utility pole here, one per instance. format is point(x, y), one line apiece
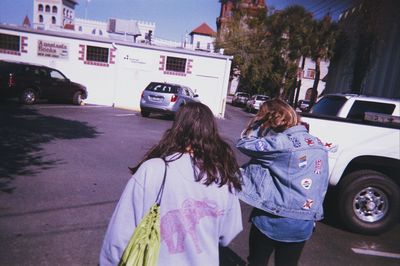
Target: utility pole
point(86, 7)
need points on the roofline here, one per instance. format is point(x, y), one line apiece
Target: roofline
point(78, 36)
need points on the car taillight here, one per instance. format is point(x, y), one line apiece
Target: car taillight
point(142, 96)
point(11, 81)
point(174, 98)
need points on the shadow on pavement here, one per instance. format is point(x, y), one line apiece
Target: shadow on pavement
point(229, 258)
point(22, 132)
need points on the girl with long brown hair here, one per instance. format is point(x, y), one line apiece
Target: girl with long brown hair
point(199, 207)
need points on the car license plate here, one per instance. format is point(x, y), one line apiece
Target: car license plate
point(156, 98)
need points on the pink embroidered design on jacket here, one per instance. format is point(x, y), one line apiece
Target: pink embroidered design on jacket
point(179, 223)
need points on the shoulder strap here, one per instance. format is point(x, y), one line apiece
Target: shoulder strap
point(160, 192)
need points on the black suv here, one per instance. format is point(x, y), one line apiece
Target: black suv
point(30, 82)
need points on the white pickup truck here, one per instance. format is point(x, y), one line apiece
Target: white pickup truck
point(363, 135)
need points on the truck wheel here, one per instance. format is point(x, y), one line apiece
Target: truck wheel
point(369, 202)
point(28, 96)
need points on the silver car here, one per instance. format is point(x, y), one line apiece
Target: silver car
point(240, 98)
point(165, 98)
point(254, 103)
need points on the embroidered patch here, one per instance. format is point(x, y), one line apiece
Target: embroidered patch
point(320, 142)
point(318, 167)
point(331, 147)
point(296, 143)
point(306, 183)
point(261, 146)
point(303, 161)
point(309, 141)
point(308, 204)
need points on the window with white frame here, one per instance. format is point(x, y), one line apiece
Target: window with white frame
point(310, 73)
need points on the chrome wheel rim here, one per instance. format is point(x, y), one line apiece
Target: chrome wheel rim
point(370, 204)
point(29, 97)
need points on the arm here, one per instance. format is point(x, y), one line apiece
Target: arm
point(259, 147)
point(231, 224)
point(126, 216)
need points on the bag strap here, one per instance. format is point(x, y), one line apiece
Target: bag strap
point(161, 191)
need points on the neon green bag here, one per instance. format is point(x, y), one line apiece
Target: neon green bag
point(144, 246)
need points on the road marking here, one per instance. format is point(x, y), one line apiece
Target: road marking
point(125, 115)
point(376, 253)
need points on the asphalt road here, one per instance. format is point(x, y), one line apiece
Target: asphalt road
point(63, 168)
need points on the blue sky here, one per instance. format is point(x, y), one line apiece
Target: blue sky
point(173, 18)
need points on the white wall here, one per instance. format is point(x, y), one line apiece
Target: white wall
point(122, 82)
point(203, 40)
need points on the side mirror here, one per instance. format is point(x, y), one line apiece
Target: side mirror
point(196, 95)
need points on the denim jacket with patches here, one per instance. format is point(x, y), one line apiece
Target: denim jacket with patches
point(287, 174)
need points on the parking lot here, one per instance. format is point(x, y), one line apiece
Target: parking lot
point(63, 168)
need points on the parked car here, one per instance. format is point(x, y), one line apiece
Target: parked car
point(254, 103)
point(165, 98)
point(303, 105)
point(29, 82)
point(240, 98)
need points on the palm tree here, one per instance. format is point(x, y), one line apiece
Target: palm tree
point(325, 33)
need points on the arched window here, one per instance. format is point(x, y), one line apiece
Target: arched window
point(80, 28)
point(53, 20)
point(40, 7)
point(94, 31)
point(100, 32)
point(40, 18)
point(47, 8)
point(54, 9)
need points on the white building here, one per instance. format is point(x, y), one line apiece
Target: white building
point(54, 14)
point(116, 72)
point(202, 38)
point(308, 75)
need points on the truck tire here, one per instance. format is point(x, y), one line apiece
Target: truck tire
point(369, 202)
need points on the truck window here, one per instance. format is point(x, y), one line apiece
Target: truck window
point(328, 105)
point(359, 108)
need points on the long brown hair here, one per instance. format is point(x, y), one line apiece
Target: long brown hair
point(275, 114)
point(195, 127)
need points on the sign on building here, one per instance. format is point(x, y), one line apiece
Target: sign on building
point(52, 49)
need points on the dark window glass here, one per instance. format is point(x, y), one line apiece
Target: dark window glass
point(329, 105)
point(47, 8)
point(262, 98)
point(176, 64)
point(163, 88)
point(54, 9)
point(40, 7)
point(359, 108)
point(40, 18)
point(98, 54)
point(9, 42)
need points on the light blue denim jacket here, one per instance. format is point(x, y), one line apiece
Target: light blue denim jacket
point(287, 174)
